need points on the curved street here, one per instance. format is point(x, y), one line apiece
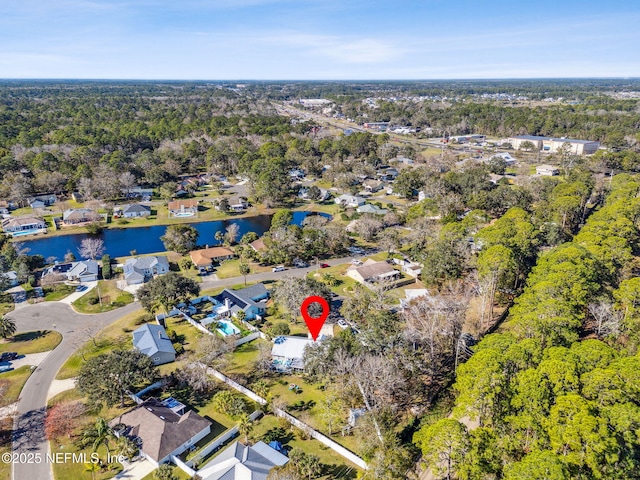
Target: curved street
point(28, 435)
point(28, 428)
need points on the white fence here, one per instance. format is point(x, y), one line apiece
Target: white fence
point(336, 447)
point(218, 442)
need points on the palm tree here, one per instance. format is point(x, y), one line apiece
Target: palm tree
point(126, 446)
point(92, 467)
point(7, 327)
point(245, 427)
point(244, 271)
point(98, 434)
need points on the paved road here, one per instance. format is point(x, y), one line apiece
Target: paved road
point(28, 434)
point(261, 277)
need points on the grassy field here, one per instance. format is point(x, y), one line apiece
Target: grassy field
point(6, 304)
point(31, 342)
point(6, 427)
point(106, 290)
point(57, 292)
point(231, 268)
point(118, 333)
point(12, 383)
point(335, 467)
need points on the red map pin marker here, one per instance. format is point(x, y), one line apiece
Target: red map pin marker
point(314, 323)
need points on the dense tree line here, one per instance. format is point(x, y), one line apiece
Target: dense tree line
point(546, 400)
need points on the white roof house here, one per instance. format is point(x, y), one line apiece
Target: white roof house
point(288, 352)
point(350, 200)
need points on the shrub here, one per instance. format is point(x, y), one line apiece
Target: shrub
point(178, 348)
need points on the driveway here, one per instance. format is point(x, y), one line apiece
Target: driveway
point(19, 296)
point(69, 299)
point(136, 470)
point(30, 359)
point(28, 428)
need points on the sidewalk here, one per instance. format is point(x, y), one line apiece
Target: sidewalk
point(136, 470)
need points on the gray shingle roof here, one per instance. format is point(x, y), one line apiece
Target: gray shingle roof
point(135, 208)
point(161, 430)
point(151, 339)
point(238, 461)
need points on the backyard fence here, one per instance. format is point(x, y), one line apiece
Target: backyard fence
point(219, 441)
point(336, 447)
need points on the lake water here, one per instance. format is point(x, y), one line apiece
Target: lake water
point(120, 241)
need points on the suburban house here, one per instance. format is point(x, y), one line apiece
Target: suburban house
point(133, 210)
point(205, 258)
point(239, 461)
point(411, 294)
point(547, 170)
point(412, 269)
point(75, 216)
point(41, 201)
point(83, 271)
point(11, 277)
point(238, 203)
point(139, 270)
point(287, 353)
point(183, 208)
point(251, 300)
point(144, 193)
point(304, 194)
point(22, 224)
point(160, 429)
point(373, 185)
point(373, 272)
point(371, 209)
point(258, 245)
point(153, 341)
point(349, 201)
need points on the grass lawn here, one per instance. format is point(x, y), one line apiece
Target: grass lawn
point(13, 381)
point(6, 304)
point(70, 469)
point(6, 427)
point(118, 333)
point(31, 342)
point(244, 357)
point(335, 467)
point(56, 292)
point(177, 473)
point(112, 298)
point(231, 268)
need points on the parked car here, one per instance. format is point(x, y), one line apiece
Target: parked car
point(5, 368)
point(356, 262)
point(300, 264)
point(279, 268)
point(8, 356)
point(343, 324)
point(324, 265)
point(81, 288)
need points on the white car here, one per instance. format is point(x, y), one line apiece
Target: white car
point(279, 268)
point(343, 324)
point(356, 262)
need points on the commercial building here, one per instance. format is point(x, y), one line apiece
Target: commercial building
point(552, 145)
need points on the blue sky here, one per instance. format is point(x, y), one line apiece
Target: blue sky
point(318, 39)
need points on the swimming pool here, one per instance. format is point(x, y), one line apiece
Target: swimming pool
point(227, 328)
point(184, 214)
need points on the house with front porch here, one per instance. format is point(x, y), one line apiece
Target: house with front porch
point(205, 258)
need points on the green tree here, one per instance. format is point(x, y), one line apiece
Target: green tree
point(541, 465)
point(444, 445)
point(180, 238)
point(126, 369)
point(307, 465)
point(167, 291)
point(98, 434)
point(7, 327)
point(106, 266)
point(244, 271)
point(245, 426)
point(281, 219)
point(164, 472)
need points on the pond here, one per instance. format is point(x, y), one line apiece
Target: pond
point(119, 242)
